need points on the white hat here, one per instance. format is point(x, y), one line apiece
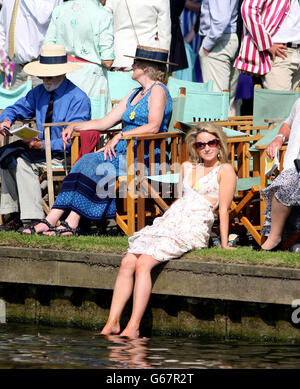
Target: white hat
point(52, 62)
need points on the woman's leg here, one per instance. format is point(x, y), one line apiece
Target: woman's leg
point(141, 294)
point(279, 214)
point(122, 292)
point(53, 217)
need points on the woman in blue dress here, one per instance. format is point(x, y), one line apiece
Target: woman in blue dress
point(145, 110)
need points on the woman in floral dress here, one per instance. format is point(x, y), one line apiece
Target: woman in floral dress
point(208, 182)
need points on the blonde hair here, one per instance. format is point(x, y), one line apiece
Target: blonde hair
point(212, 129)
point(157, 71)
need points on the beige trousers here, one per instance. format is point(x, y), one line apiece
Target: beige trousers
point(218, 66)
point(21, 190)
point(284, 73)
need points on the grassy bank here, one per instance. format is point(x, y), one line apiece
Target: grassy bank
point(119, 244)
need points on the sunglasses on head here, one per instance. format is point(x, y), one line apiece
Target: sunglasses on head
point(211, 143)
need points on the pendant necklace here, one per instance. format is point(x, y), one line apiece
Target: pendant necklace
point(143, 92)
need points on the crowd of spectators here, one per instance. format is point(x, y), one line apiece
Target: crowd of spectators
point(235, 43)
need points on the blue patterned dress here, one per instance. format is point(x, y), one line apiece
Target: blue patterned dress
point(89, 187)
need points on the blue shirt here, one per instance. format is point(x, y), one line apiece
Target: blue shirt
point(218, 17)
point(70, 104)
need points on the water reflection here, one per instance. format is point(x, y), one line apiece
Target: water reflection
point(29, 346)
point(128, 353)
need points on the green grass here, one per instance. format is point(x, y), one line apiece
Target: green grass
point(119, 244)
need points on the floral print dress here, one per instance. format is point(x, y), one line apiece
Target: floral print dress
point(185, 226)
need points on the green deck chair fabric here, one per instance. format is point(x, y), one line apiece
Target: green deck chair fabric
point(178, 104)
point(272, 104)
point(9, 96)
point(267, 138)
point(174, 84)
point(206, 106)
point(120, 84)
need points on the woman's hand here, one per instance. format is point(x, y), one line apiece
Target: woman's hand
point(274, 146)
point(73, 127)
point(109, 148)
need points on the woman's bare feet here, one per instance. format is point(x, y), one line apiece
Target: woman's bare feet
point(110, 328)
point(131, 332)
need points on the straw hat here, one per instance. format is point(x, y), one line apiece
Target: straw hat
point(52, 62)
point(154, 54)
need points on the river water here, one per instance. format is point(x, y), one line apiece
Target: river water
point(27, 346)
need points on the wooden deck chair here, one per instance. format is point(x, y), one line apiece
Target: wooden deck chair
point(260, 148)
point(247, 187)
point(270, 107)
point(133, 210)
point(55, 174)
point(175, 84)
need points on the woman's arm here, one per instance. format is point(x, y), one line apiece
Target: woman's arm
point(112, 118)
point(156, 106)
point(278, 141)
point(227, 181)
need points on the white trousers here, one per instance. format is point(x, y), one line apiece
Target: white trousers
point(218, 66)
point(21, 190)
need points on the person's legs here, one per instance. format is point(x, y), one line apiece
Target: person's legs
point(9, 192)
point(218, 66)
point(29, 190)
point(281, 74)
point(122, 291)
point(279, 214)
point(141, 294)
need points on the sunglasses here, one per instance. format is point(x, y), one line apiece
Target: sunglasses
point(48, 78)
point(211, 143)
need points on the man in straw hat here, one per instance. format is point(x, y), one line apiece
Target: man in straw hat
point(57, 99)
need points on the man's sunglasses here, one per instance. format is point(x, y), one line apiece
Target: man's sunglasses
point(48, 78)
point(211, 143)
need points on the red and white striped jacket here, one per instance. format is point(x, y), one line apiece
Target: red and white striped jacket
point(262, 19)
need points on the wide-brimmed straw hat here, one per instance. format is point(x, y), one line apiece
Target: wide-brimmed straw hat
point(154, 54)
point(52, 62)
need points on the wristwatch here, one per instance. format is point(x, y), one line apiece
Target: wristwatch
point(121, 133)
point(282, 136)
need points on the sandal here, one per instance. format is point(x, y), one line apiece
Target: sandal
point(32, 230)
point(60, 231)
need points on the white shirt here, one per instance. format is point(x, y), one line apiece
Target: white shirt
point(152, 23)
point(293, 148)
point(32, 21)
point(290, 28)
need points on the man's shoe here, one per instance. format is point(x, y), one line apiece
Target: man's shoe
point(12, 225)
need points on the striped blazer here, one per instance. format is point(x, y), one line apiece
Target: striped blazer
point(262, 19)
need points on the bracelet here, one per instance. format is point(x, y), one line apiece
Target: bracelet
point(282, 136)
